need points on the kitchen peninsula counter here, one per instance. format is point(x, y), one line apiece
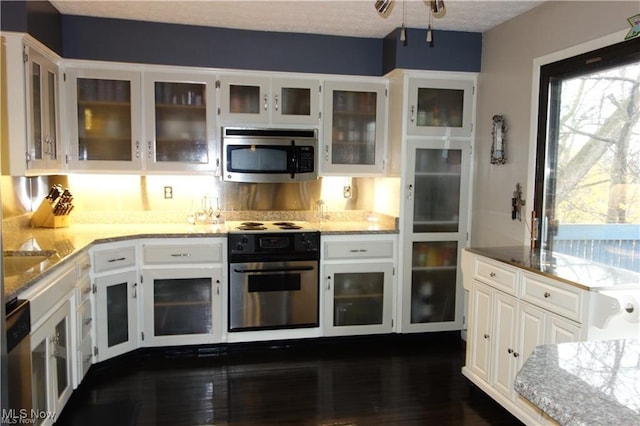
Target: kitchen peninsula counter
point(73, 240)
point(575, 271)
point(585, 383)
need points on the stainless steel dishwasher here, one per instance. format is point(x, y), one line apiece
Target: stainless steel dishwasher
point(18, 318)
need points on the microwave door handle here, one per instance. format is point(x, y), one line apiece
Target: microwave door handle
point(267, 270)
point(294, 159)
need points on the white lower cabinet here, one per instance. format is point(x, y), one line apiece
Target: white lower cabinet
point(503, 330)
point(182, 292)
point(115, 294)
point(357, 282)
point(51, 366)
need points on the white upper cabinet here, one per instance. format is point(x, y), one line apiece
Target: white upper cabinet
point(179, 122)
point(31, 102)
point(105, 120)
point(354, 141)
point(256, 100)
point(439, 107)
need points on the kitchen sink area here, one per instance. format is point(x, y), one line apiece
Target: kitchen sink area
point(18, 262)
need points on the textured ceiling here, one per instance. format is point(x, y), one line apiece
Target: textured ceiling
point(356, 18)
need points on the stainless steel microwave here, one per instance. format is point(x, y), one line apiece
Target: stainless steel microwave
point(269, 155)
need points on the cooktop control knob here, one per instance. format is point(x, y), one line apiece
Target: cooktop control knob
point(239, 247)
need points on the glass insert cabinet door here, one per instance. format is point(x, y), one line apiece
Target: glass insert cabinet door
point(353, 129)
point(180, 123)
point(116, 314)
point(104, 120)
point(108, 119)
point(43, 94)
point(433, 281)
point(360, 297)
point(440, 107)
point(436, 190)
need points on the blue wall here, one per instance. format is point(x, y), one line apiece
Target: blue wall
point(155, 43)
point(83, 37)
point(38, 18)
point(451, 51)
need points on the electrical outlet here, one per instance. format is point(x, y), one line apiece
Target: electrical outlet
point(168, 192)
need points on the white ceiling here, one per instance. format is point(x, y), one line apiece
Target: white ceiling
point(357, 18)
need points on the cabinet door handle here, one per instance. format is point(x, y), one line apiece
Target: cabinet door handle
point(266, 102)
point(276, 102)
point(137, 149)
point(135, 290)
point(149, 149)
point(486, 336)
point(509, 351)
point(492, 274)
point(217, 287)
point(326, 153)
point(410, 192)
point(329, 282)
point(516, 354)
point(547, 295)
point(413, 113)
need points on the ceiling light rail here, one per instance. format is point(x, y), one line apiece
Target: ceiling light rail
point(436, 10)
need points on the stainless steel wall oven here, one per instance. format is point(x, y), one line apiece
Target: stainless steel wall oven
point(273, 276)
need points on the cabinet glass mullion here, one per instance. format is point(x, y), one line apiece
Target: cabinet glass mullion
point(104, 119)
point(181, 122)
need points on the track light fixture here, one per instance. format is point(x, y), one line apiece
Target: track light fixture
point(382, 6)
point(436, 10)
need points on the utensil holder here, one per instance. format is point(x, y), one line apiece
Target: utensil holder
point(44, 217)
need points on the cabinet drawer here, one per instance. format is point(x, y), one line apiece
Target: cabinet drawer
point(51, 293)
point(107, 260)
point(359, 250)
point(499, 276)
point(85, 356)
point(85, 319)
point(84, 265)
point(182, 253)
point(83, 289)
point(557, 297)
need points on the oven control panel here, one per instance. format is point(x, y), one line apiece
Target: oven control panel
point(274, 244)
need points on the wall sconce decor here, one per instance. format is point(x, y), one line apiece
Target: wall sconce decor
point(499, 139)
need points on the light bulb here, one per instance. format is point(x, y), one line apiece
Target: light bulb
point(430, 36)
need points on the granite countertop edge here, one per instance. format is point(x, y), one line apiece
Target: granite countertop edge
point(578, 272)
point(558, 384)
point(87, 235)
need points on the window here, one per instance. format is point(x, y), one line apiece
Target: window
point(588, 162)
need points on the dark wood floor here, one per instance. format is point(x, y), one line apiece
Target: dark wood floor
point(385, 381)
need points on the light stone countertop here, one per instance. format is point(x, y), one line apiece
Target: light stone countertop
point(73, 240)
point(575, 271)
point(585, 383)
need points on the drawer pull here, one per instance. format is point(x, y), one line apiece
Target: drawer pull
point(486, 336)
point(510, 351)
point(117, 259)
point(516, 354)
point(180, 254)
point(547, 295)
point(358, 250)
point(492, 274)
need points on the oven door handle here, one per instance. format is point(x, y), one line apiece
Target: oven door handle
point(263, 270)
